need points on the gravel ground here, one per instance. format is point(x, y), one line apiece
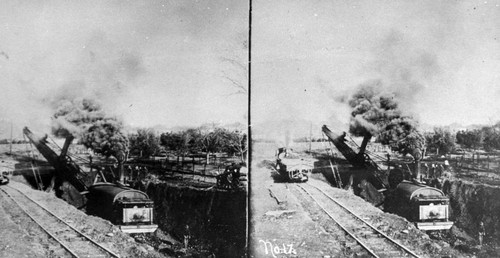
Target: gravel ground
point(25, 239)
point(283, 218)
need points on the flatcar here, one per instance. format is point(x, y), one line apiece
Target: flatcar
point(130, 209)
point(427, 206)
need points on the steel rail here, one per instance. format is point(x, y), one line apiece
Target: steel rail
point(60, 219)
point(362, 220)
point(370, 251)
point(40, 225)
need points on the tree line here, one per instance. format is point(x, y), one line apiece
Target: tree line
point(206, 139)
point(443, 141)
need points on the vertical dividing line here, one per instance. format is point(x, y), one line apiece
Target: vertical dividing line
point(249, 138)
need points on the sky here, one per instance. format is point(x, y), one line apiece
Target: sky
point(160, 62)
point(179, 63)
point(440, 58)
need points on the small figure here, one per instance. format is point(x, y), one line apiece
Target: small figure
point(235, 174)
point(432, 171)
point(136, 174)
point(482, 232)
point(187, 236)
point(446, 164)
point(129, 172)
point(426, 170)
point(439, 171)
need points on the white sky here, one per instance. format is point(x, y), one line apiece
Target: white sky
point(441, 57)
point(149, 62)
point(165, 62)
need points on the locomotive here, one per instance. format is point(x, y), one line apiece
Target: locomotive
point(131, 210)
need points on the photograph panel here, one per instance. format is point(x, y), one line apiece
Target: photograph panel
point(380, 109)
point(134, 112)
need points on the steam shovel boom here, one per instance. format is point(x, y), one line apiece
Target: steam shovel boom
point(65, 168)
point(358, 160)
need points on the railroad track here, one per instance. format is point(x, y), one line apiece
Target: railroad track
point(76, 243)
point(372, 240)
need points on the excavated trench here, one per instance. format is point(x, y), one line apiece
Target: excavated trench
point(216, 219)
point(472, 203)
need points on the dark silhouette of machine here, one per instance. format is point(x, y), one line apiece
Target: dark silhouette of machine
point(130, 209)
point(395, 190)
point(230, 178)
point(4, 179)
point(291, 169)
point(65, 168)
point(363, 167)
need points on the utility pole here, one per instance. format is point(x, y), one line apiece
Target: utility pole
point(11, 129)
point(310, 136)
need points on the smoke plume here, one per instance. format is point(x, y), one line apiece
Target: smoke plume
point(376, 113)
point(85, 119)
point(371, 109)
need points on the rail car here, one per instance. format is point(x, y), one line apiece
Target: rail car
point(427, 206)
point(292, 170)
point(4, 180)
point(130, 209)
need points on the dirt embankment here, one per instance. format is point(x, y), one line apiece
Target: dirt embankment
point(471, 203)
point(216, 219)
point(25, 238)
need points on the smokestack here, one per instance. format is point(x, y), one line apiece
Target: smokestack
point(65, 148)
point(366, 140)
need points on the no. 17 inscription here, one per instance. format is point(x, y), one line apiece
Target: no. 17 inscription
point(277, 249)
